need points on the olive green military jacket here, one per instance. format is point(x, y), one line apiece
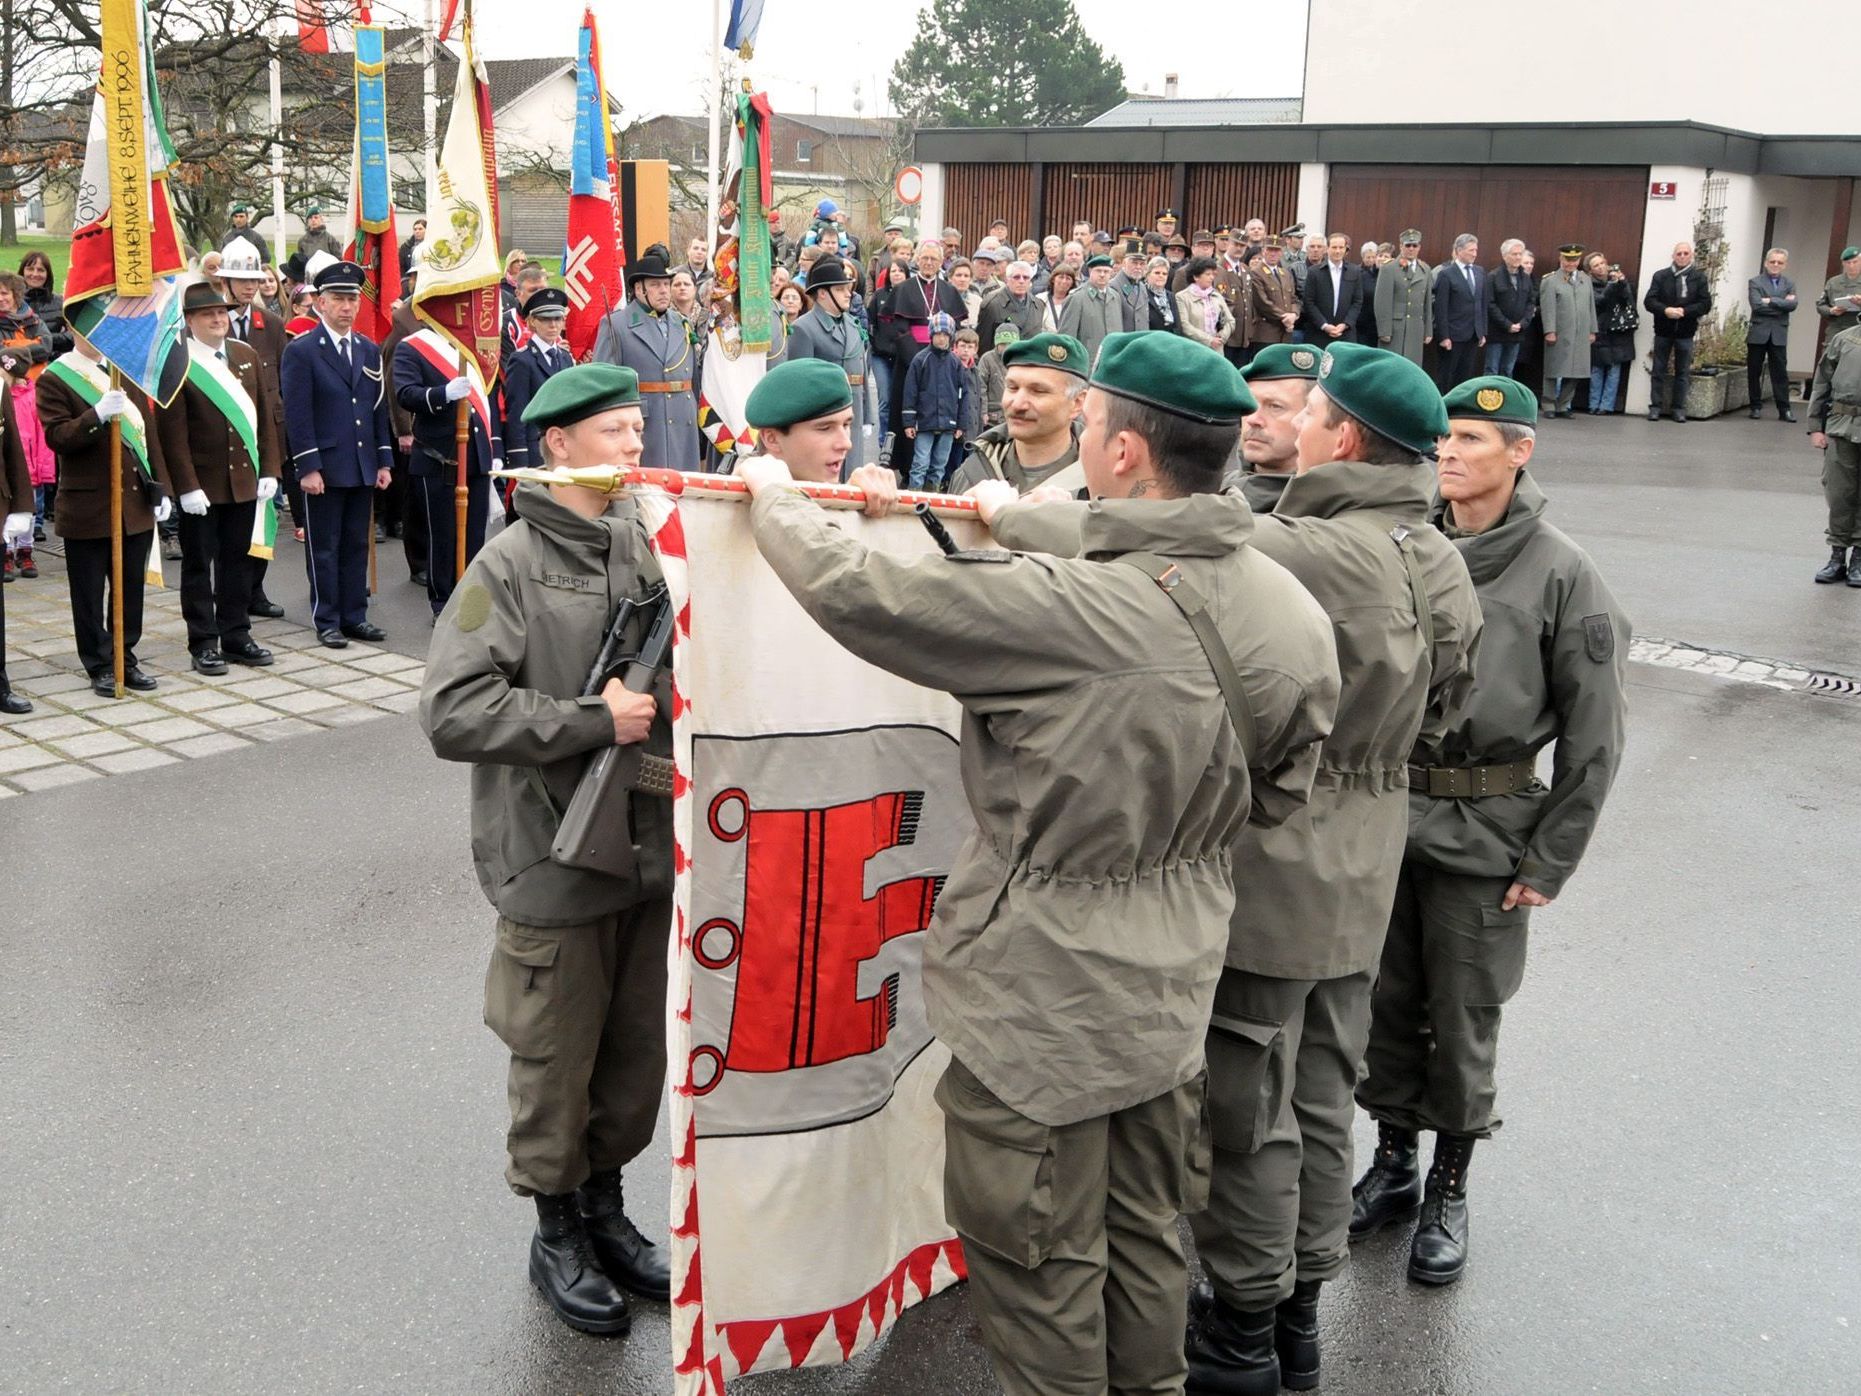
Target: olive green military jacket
point(1072, 961)
point(1552, 668)
point(1835, 397)
point(1840, 287)
point(503, 677)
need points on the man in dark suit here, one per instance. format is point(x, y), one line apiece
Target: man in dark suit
point(1463, 308)
point(430, 379)
point(542, 357)
point(1677, 296)
point(1773, 301)
point(221, 444)
point(336, 424)
point(243, 272)
point(1333, 296)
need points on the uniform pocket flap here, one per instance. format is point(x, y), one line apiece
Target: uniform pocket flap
point(1260, 1034)
point(537, 954)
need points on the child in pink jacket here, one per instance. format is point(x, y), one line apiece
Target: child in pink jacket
point(39, 459)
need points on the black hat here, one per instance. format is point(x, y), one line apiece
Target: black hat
point(1168, 213)
point(828, 271)
point(203, 295)
point(1130, 230)
point(340, 276)
point(650, 267)
point(547, 300)
point(1132, 248)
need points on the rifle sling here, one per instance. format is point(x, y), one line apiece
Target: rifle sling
point(1173, 584)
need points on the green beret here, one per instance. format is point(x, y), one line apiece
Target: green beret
point(1282, 361)
point(798, 391)
point(1174, 374)
point(1388, 393)
point(580, 391)
point(1101, 260)
point(1850, 253)
point(1493, 399)
point(1059, 351)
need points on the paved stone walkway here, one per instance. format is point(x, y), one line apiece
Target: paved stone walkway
point(73, 735)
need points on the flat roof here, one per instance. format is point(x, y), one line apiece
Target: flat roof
point(1688, 143)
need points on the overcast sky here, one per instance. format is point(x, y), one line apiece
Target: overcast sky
point(659, 64)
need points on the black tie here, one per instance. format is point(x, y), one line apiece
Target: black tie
point(342, 347)
point(239, 329)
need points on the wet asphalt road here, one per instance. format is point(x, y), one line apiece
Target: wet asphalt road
point(250, 1123)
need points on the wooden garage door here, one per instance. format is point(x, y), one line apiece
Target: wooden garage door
point(1107, 196)
point(975, 194)
point(1602, 208)
point(1219, 194)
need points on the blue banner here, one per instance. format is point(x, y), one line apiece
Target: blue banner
point(588, 161)
point(745, 22)
point(371, 128)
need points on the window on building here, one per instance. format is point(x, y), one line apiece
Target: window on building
point(804, 151)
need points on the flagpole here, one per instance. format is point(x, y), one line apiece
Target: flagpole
point(116, 540)
point(428, 96)
point(716, 85)
point(277, 160)
point(462, 433)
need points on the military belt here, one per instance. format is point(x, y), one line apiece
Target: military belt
point(679, 385)
point(1473, 782)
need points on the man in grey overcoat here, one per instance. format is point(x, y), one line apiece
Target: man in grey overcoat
point(1567, 310)
point(1405, 311)
point(654, 340)
point(828, 332)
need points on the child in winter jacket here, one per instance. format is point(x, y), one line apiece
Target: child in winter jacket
point(969, 427)
point(933, 405)
point(39, 460)
point(992, 374)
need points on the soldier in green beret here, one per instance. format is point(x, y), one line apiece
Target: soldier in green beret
point(577, 983)
point(1280, 375)
point(1292, 1011)
point(803, 411)
point(1037, 443)
point(1487, 840)
point(1835, 430)
point(1077, 941)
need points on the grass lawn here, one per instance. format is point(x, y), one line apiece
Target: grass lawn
point(58, 249)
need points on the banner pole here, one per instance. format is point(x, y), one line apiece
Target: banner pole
point(713, 106)
point(116, 540)
point(462, 434)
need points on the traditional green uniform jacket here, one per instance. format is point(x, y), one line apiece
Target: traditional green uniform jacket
point(1072, 962)
point(1405, 308)
point(1835, 397)
point(1319, 886)
point(1552, 668)
point(836, 338)
point(503, 678)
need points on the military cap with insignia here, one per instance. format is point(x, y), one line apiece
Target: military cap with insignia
point(242, 207)
point(1387, 392)
point(1132, 248)
point(1493, 398)
point(1571, 250)
point(1410, 236)
point(1129, 230)
point(1173, 374)
point(1271, 240)
point(1272, 361)
point(1059, 351)
point(1201, 236)
point(580, 391)
point(1168, 213)
point(1224, 231)
point(1098, 260)
point(547, 301)
point(797, 391)
point(340, 276)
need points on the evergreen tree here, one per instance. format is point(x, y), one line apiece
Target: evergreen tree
point(1004, 63)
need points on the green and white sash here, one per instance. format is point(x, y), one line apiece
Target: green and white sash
point(214, 379)
point(88, 380)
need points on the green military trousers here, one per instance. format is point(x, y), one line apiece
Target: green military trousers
point(1283, 1056)
point(1452, 958)
point(1841, 488)
point(1076, 1270)
point(583, 1011)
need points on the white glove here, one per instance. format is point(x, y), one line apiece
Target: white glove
point(164, 507)
point(17, 526)
point(456, 389)
point(267, 487)
point(112, 404)
point(194, 502)
point(497, 462)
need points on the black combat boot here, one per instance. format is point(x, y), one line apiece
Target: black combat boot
point(1295, 1337)
point(1438, 1253)
point(1854, 567)
point(1231, 1352)
point(634, 1262)
point(1836, 568)
point(564, 1268)
point(1391, 1188)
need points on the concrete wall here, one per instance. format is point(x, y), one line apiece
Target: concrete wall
point(1727, 64)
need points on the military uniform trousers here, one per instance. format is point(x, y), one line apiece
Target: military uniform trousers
point(440, 520)
point(583, 1011)
point(1283, 1057)
point(216, 574)
point(1841, 487)
point(338, 525)
point(1076, 1271)
point(87, 572)
point(1451, 960)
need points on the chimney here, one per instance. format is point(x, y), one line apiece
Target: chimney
point(1169, 86)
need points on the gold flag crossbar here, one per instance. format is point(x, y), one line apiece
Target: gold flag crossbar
point(612, 479)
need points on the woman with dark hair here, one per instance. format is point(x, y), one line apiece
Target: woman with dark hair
point(791, 303)
point(1206, 317)
point(35, 269)
point(1062, 281)
point(1616, 323)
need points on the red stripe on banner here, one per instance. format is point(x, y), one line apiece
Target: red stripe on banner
point(445, 23)
point(693, 1359)
point(747, 1340)
point(919, 1265)
point(800, 1333)
point(689, 1227)
point(953, 1254)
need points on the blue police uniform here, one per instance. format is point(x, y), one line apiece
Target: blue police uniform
point(336, 423)
point(420, 388)
point(525, 372)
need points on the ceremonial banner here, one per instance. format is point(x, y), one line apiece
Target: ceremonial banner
point(457, 289)
point(373, 244)
point(743, 321)
point(817, 811)
point(593, 256)
point(125, 245)
point(745, 21)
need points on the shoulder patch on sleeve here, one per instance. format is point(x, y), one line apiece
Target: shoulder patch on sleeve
point(474, 607)
point(1598, 637)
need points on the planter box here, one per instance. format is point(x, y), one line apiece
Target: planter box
point(1706, 395)
point(1737, 390)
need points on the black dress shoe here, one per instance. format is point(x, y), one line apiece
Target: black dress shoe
point(133, 677)
point(246, 652)
point(1391, 1188)
point(418, 579)
point(332, 639)
point(12, 704)
point(1295, 1337)
point(1438, 1253)
point(266, 607)
point(1232, 1354)
point(208, 662)
point(103, 685)
point(632, 1261)
point(381, 534)
point(563, 1266)
point(1757, 411)
point(1836, 568)
point(365, 631)
point(1786, 415)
